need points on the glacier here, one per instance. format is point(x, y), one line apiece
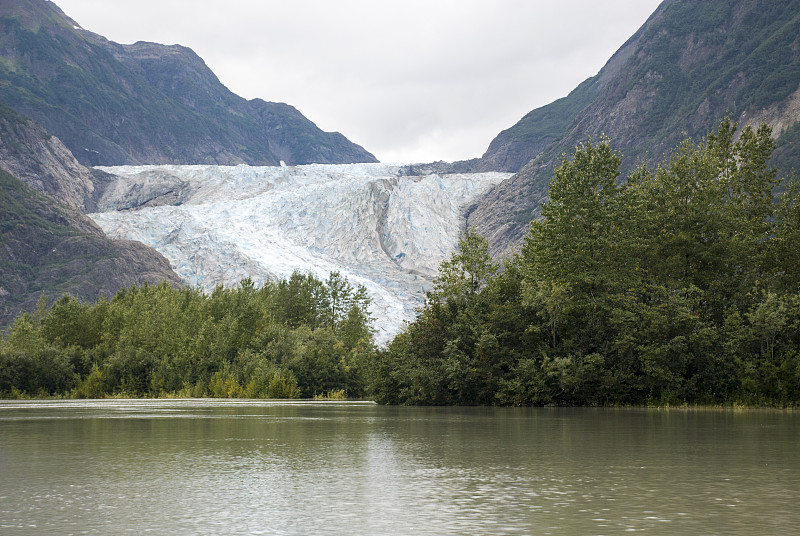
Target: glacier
point(384, 226)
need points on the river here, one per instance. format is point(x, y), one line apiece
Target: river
point(301, 468)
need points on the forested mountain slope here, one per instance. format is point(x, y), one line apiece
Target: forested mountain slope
point(114, 104)
point(691, 64)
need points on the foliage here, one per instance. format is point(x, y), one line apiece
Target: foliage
point(679, 284)
point(288, 339)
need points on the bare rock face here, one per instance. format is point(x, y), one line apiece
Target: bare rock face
point(150, 187)
point(41, 161)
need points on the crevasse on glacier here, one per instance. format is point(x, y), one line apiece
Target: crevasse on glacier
point(376, 225)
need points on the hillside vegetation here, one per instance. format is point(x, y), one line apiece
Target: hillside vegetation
point(680, 284)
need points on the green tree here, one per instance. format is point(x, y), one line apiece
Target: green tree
point(466, 272)
point(570, 245)
point(784, 254)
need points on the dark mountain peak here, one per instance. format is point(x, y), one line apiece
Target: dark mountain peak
point(115, 104)
point(33, 14)
point(183, 59)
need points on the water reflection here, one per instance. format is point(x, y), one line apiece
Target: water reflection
point(190, 467)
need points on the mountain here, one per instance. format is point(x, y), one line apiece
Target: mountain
point(691, 64)
point(113, 104)
point(53, 249)
point(47, 244)
point(41, 161)
point(386, 227)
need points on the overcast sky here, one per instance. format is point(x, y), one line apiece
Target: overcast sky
point(409, 80)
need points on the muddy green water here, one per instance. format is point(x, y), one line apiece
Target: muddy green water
point(254, 467)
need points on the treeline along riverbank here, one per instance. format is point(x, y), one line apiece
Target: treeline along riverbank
point(287, 339)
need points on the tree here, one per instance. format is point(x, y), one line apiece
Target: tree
point(355, 327)
point(570, 245)
point(716, 215)
point(570, 260)
point(466, 272)
point(784, 253)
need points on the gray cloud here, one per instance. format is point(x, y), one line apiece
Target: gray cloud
point(410, 80)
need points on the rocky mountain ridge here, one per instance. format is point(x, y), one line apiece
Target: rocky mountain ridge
point(51, 249)
point(41, 161)
point(113, 104)
point(47, 244)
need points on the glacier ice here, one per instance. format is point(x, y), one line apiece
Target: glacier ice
point(375, 223)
